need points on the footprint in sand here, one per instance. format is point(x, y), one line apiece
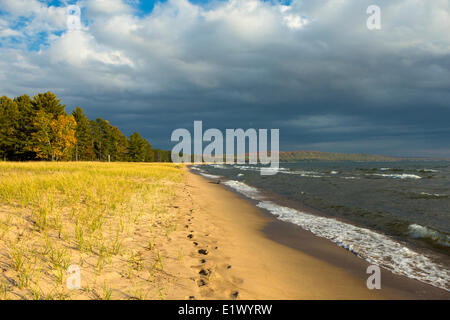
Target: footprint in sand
point(201, 283)
point(204, 272)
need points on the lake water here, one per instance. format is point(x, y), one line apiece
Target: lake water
point(393, 214)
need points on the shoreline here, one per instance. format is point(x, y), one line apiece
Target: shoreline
point(296, 264)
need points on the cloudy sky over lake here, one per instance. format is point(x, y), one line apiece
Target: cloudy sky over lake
point(310, 68)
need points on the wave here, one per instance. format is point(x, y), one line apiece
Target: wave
point(398, 176)
point(350, 178)
point(373, 247)
point(218, 166)
point(210, 176)
point(243, 188)
point(420, 232)
point(203, 173)
point(246, 167)
point(433, 194)
point(303, 173)
point(426, 195)
point(384, 169)
point(257, 168)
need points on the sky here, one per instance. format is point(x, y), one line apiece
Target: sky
point(309, 68)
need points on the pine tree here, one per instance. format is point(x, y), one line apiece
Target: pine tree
point(42, 138)
point(49, 103)
point(119, 144)
point(83, 149)
point(137, 148)
point(25, 128)
point(149, 153)
point(9, 117)
point(39, 128)
point(103, 145)
point(162, 156)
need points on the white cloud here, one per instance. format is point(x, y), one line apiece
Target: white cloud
point(7, 32)
point(205, 46)
point(79, 48)
point(42, 18)
point(107, 7)
point(23, 8)
point(293, 21)
point(183, 56)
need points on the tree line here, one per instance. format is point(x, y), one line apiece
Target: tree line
point(39, 128)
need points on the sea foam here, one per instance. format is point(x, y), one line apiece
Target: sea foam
point(398, 176)
point(373, 247)
point(243, 188)
point(420, 232)
point(203, 173)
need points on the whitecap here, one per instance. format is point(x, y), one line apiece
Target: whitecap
point(374, 247)
point(398, 176)
point(210, 176)
point(243, 188)
point(420, 232)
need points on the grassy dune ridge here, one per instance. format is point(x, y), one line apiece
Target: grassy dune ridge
point(111, 220)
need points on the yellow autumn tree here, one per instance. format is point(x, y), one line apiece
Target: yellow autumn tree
point(63, 130)
point(54, 137)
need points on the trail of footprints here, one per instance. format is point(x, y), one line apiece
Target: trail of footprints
point(207, 270)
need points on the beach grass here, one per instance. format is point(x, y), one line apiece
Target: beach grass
point(110, 220)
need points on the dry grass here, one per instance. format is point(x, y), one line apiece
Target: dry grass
point(109, 219)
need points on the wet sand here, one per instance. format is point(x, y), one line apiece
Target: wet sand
point(252, 255)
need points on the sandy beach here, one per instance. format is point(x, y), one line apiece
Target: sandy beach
point(252, 255)
point(155, 231)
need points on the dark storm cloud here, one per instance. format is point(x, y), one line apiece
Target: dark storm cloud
point(312, 69)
